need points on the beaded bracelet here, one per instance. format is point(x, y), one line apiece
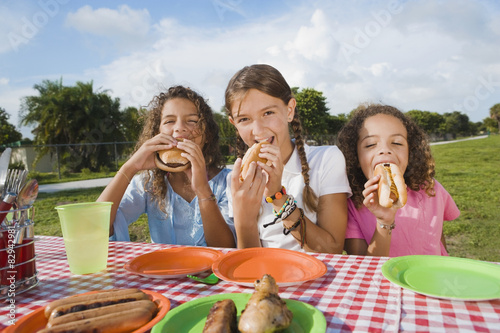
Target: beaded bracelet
point(289, 210)
point(277, 195)
point(289, 201)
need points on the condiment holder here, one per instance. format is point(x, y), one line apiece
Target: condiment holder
point(17, 251)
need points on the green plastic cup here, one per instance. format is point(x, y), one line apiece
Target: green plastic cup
point(85, 229)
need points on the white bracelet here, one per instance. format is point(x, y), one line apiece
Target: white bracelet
point(387, 226)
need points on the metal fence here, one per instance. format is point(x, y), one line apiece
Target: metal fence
point(104, 156)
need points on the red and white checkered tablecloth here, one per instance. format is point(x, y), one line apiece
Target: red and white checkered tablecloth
point(353, 295)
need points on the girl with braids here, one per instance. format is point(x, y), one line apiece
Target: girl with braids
point(298, 200)
point(188, 207)
point(382, 134)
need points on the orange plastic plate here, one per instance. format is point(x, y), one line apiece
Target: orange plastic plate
point(35, 321)
point(173, 262)
point(287, 267)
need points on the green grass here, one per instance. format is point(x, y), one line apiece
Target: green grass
point(469, 170)
point(47, 220)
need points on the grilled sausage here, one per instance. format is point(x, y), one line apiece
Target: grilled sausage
point(83, 298)
point(93, 313)
point(125, 321)
point(96, 303)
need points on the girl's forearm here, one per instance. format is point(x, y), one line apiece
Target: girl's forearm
point(247, 232)
point(217, 232)
point(380, 243)
point(114, 192)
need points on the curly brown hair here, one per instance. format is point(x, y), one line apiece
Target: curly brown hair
point(269, 80)
point(154, 181)
point(420, 171)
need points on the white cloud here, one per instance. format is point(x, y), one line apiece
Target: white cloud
point(314, 42)
point(420, 54)
point(123, 26)
point(407, 62)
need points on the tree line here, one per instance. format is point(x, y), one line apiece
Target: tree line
point(81, 117)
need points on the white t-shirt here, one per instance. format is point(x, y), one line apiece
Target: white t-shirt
point(327, 174)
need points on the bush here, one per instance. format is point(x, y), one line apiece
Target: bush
point(104, 169)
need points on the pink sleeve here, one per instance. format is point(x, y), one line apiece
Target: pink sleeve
point(451, 211)
point(353, 228)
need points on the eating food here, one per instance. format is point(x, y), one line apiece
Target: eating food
point(117, 310)
point(265, 311)
point(391, 186)
point(252, 155)
point(171, 160)
point(222, 318)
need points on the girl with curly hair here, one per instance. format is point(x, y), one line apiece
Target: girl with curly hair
point(382, 134)
point(298, 200)
point(187, 207)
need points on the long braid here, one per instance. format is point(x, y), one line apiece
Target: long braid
point(310, 198)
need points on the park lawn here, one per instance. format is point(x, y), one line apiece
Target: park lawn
point(469, 171)
point(47, 221)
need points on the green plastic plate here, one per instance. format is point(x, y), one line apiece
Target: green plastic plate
point(191, 316)
point(445, 277)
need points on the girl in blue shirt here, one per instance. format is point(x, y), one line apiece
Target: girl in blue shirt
point(187, 207)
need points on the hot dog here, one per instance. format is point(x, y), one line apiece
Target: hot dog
point(125, 321)
point(89, 297)
point(171, 160)
point(96, 303)
point(105, 310)
point(391, 186)
point(221, 318)
point(251, 155)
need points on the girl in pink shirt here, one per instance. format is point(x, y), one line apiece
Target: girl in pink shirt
point(382, 134)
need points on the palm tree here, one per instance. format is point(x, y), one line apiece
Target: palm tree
point(73, 115)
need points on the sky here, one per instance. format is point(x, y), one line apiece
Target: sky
point(430, 55)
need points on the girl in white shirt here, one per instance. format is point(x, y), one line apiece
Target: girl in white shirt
point(297, 202)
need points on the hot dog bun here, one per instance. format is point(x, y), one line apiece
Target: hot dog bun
point(391, 186)
point(171, 160)
point(125, 321)
point(106, 311)
point(95, 303)
point(101, 311)
point(88, 297)
point(252, 155)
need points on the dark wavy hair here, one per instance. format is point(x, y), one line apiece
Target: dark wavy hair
point(420, 171)
point(207, 127)
point(269, 80)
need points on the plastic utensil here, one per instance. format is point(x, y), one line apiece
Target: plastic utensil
point(11, 190)
point(25, 199)
point(211, 279)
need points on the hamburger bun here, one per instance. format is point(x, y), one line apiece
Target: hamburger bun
point(170, 160)
point(252, 155)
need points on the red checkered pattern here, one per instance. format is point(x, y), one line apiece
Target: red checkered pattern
point(353, 295)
